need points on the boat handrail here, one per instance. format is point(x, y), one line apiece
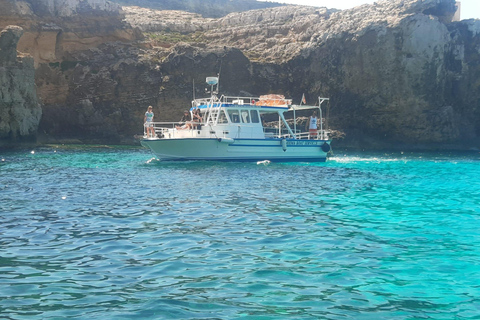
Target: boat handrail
point(157, 126)
point(164, 128)
point(173, 124)
point(240, 100)
point(273, 132)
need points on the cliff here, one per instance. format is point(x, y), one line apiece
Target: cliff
point(55, 28)
point(20, 111)
point(205, 8)
point(400, 73)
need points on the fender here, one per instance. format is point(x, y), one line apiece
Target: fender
point(325, 147)
point(226, 140)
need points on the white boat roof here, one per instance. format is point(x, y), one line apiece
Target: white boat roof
point(249, 103)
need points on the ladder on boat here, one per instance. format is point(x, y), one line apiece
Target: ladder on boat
point(213, 111)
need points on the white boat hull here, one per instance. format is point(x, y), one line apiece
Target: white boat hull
point(278, 150)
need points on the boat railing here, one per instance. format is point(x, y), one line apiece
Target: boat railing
point(272, 132)
point(159, 128)
point(245, 101)
point(180, 129)
point(320, 135)
point(225, 100)
point(171, 129)
point(238, 100)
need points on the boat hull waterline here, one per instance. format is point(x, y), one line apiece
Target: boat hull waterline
point(211, 149)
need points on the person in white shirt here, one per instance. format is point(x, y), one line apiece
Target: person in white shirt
point(148, 122)
point(312, 125)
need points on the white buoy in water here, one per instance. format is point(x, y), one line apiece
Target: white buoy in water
point(264, 162)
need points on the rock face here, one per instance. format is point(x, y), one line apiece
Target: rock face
point(55, 28)
point(205, 8)
point(273, 34)
point(20, 111)
point(68, 8)
point(99, 96)
point(400, 73)
point(151, 20)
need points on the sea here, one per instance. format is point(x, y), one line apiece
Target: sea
point(106, 232)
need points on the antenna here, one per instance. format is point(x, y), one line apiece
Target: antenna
point(218, 75)
point(193, 89)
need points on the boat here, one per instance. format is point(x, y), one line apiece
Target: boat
point(234, 129)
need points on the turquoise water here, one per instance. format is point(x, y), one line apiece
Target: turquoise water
point(110, 233)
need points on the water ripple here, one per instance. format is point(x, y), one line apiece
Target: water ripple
point(90, 233)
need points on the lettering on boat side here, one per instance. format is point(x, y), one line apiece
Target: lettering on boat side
point(303, 143)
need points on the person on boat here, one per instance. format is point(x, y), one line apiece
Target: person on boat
point(186, 120)
point(148, 122)
point(312, 125)
point(197, 118)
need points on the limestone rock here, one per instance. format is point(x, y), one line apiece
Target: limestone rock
point(99, 96)
point(205, 8)
point(151, 20)
point(54, 28)
point(20, 110)
point(8, 44)
point(395, 70)
point(400, 73)
point(66, 8)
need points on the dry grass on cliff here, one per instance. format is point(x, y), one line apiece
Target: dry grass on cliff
point(167, 39)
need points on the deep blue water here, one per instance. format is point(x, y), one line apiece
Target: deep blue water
point(110, 233)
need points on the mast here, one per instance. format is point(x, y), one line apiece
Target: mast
point(212, 81)
point(320, 101)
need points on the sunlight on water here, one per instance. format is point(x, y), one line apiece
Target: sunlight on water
point(151, 160)
point(113, 233)
point(349, 159)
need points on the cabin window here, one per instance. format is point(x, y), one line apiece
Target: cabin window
point(234, 116)
point(254, 114)
point(222, 117)
point(245, 116)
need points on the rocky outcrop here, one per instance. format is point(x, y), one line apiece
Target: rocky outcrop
point(20, 111)
point(151, 20)
point(205, 8)
point(68, 8)
point(400, 73)
point(272, 35)
point(55, 28)
point(99, 96)
point(395, 71)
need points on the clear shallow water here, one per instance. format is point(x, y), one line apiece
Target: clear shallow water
point(90, 233)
